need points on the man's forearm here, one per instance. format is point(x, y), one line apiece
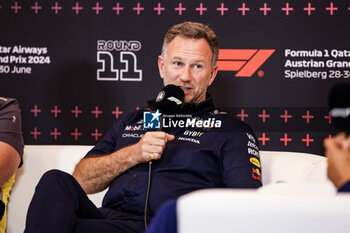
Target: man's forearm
point(95, 174)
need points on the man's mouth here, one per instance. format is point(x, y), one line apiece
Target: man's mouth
point(186, 89)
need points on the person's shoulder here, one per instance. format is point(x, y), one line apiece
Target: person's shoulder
point(6, 102)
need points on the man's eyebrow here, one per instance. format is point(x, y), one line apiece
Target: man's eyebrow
point(202, 61)
point(176, 57)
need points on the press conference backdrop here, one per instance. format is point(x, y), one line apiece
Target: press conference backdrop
point(78, 66)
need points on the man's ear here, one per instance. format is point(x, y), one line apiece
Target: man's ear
point(161, 66)
point(213, 74)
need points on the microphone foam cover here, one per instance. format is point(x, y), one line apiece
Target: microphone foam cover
point(170, 99)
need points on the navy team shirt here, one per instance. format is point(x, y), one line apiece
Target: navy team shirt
point(197, 158)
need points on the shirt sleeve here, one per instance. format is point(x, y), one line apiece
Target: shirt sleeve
point(241, 167)
point(345, 187)
point(108, 143)
point(11, 125)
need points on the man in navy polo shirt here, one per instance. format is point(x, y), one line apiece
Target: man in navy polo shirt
point(184, 159)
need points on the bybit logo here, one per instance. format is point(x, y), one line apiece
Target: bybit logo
point(245, 61)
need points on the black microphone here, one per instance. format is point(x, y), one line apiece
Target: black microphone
point(339, 104)
point(170, 99)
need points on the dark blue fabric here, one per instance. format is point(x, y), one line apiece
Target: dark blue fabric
point(345, 187)
point(165, 221)
point(2, 209)
point(60, 205)
point(195, 159)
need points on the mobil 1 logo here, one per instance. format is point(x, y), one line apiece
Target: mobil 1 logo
point(117, 60)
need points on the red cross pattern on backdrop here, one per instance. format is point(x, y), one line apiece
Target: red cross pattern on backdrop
point(244, 8)
point(75, 113)
point(54, 120)
point(281, 125)
point(258, 118)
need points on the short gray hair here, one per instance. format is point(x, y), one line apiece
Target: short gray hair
point(193, 30)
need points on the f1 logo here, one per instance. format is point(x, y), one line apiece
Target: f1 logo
point(245, 61)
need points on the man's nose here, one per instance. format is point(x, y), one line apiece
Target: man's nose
point(186, 75)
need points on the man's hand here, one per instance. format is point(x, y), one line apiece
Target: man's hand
point(151, 145)
point(338, 155)
point(94, 174)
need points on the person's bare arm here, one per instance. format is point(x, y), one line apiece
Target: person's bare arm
point(9, 162)
point(95, 174)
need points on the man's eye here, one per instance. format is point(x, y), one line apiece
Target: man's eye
point(197, 66)
point(177, 63)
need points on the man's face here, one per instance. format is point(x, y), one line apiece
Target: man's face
point(186, 63)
